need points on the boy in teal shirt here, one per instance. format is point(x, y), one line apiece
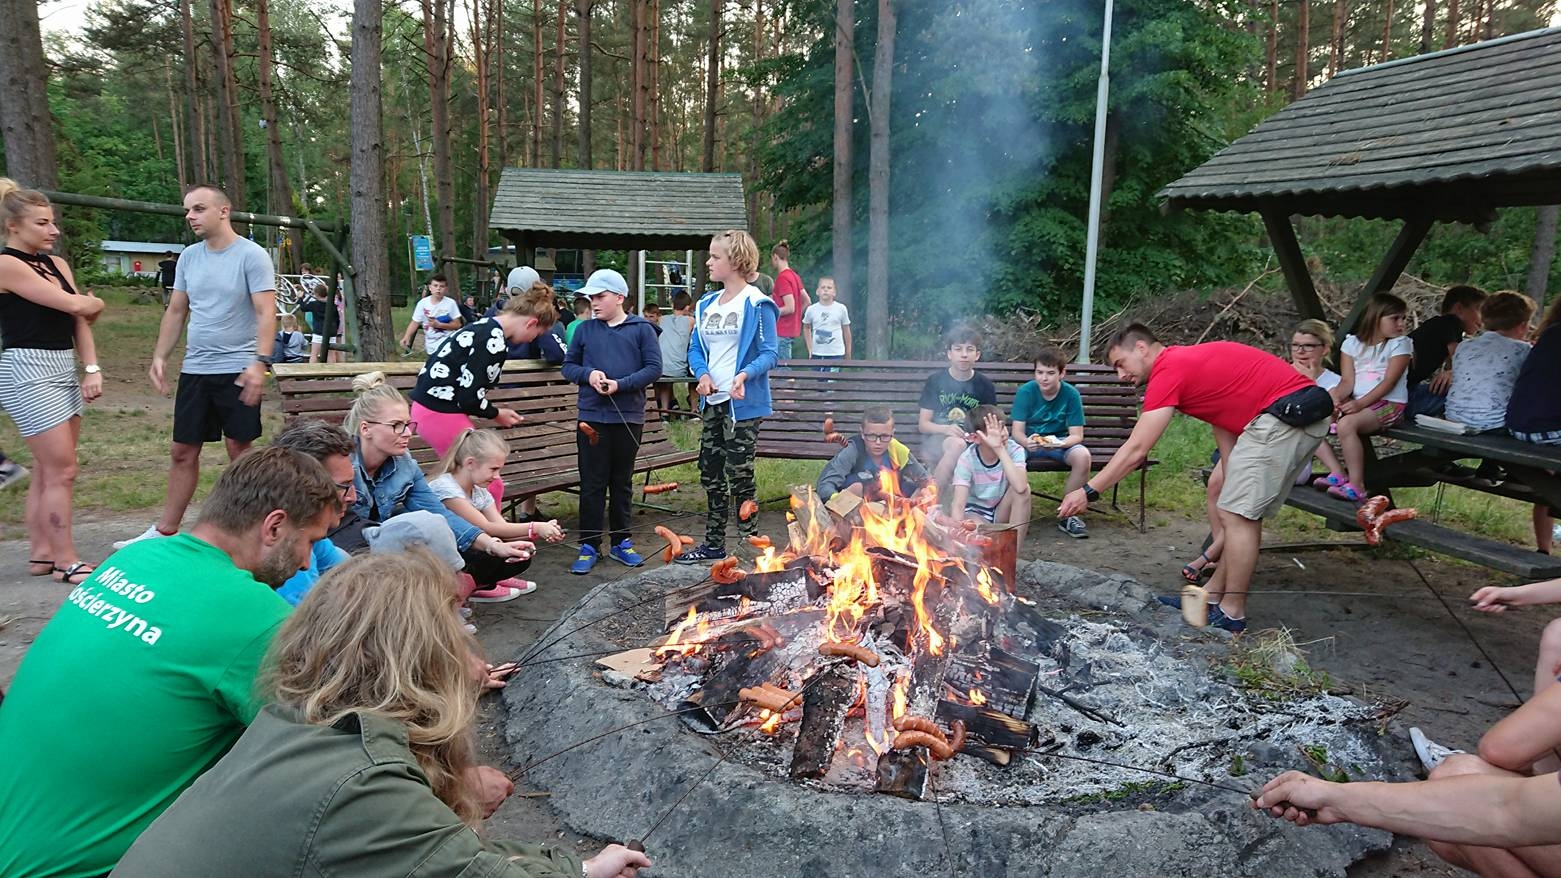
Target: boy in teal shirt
point(1048, 420)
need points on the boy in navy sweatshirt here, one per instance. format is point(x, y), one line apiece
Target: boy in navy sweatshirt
point(613, 358)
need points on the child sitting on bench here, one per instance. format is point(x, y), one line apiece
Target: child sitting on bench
point(990, 483)
point(856, 468)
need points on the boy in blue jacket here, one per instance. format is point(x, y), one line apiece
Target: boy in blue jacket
point(732, 349)
point(614, 357)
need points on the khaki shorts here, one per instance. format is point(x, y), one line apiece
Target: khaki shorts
point(1261, 468)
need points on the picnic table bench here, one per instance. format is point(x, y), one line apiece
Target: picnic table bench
point(541, 448)
point(803, 396)
point(1531, 478)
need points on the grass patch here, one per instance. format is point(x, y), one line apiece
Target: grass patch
point(1272, 666)
point(1137, 789)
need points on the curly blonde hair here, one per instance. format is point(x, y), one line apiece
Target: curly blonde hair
point(380, 634)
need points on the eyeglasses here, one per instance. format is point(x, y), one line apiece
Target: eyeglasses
point(1305, 346)
point(344, 488)
point(400, 428)
point(878, 437)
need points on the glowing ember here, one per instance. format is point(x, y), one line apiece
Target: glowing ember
point(771, 722)
point(977, 698)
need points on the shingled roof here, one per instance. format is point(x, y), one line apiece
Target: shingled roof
point(1448, 136)
point(639, 209)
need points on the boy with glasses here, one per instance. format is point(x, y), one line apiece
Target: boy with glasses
point(856, 468)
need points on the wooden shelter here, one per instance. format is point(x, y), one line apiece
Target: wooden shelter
point(614, 210)
point(1444, 137)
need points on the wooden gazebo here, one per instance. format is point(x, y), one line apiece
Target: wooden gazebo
point(1445, 137)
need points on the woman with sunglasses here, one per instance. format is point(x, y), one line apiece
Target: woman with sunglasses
point(388, 482)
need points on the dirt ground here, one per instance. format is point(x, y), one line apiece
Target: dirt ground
point(1397, 643)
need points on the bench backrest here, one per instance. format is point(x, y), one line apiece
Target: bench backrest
point(803, 397)
point(542, 447)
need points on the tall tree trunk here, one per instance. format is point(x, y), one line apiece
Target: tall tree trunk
point(583, 12)
point(499, 97)
point(1303, 26)
point(1451, 39)
point(756, 109)
point(1387, 31)
point(845, 99)
point(713, 85)
point(559, 35)
point(371, 284)
point(639, 15)
point(1490, 20)
point(878, 187)
point(195, 135)
point(1336, 43)
point(176, 124)
point(228, 126)
point(653, 46)
point(1271, 66)
point(1543, 253)
point(538, 116)
point(1428, 26)
point(280, 193)
point(25, 122)
point(436, 51)
point(482, 49)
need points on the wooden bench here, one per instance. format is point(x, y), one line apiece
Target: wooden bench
point(803, 396)
point(1529, 479)
point(542, 447)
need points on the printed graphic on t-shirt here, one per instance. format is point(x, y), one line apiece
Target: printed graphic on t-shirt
point(715, 325)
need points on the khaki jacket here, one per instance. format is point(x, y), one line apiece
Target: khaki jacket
point(347, 800)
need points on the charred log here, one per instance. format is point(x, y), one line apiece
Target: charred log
point(824, 709)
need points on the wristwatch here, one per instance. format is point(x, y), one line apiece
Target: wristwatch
point(265, 359)
point(1090, 494)
point(92, 368)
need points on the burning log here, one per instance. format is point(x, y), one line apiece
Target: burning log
point(991, 735)
point(824, 708)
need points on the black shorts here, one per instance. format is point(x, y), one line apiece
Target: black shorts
point(207, 407)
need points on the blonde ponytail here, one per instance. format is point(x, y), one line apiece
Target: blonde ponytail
point(14, 201)
point(373, 395)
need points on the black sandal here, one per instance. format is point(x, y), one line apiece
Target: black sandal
point(67, 574)
point(33, 562)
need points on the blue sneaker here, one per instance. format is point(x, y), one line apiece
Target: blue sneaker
point(701, 554)
point(1218, 619)
point(585, 562)
point(624, 553)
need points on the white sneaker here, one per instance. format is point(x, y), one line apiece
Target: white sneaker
point(151, 533)
point(1431, 753)
point(466, 612)
point(470, 628)
point(11, 473)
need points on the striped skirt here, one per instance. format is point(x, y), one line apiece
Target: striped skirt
point(39, 389)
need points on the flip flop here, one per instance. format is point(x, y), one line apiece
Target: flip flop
point(68, 575)
point(33, 562)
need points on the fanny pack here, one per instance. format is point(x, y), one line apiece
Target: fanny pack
point(1303, 407)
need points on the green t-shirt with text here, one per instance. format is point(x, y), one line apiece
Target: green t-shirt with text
point(142, 680)
point(1047, 417)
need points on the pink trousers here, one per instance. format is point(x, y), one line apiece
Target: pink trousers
point(439, 430)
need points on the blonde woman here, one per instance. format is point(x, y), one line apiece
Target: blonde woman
point(363, 763)
point(44, 324)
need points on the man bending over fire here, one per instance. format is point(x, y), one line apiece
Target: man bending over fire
point(856, 468)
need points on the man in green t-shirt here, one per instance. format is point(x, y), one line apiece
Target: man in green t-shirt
point(144, 677)
point(1048, 420)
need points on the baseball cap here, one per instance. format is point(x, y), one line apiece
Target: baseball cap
point(604, 280)
point(416, 528)
point(521, 278)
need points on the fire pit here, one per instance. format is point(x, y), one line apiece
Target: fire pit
point(876, 699)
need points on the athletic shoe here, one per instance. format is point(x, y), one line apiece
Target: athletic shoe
point(151, 533)
point(585, 562)
point(501, 591)
point(1431, 753)
point(466, 612)
point(470, 628)
point(624, 553)
point(1175, 602)
point(1346, 491)
point(1218, 619)
point(1073, 526)
point(701, 555)
point(11, 473)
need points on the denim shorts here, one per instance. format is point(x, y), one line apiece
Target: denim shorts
point(1055, 455)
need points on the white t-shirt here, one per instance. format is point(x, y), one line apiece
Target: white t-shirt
point(1371, 365)
point(721, 330)
point(1328, 379)
point(1485, 369)
point(826, 322)
point(447, 488)
point(426, 310)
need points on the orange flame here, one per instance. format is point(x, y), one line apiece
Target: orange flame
point(986, 587)
point(676, 644)
point(771, 722)
point(977, 698)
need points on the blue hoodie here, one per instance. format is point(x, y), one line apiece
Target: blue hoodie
point(627, 353)
point(757, 351)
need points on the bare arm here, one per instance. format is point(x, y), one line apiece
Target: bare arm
point(265, 321)
point(20, 280)
point(168, 332)
point(1346, 386)
point(1075, 437)
point(1014, 472)
point(925, 424)
point(847, 330)
point(957, 503)
point(807, 337)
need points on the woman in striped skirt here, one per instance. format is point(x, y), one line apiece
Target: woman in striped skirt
point(42, 321)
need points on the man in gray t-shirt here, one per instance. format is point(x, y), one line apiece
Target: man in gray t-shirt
point(226, 287)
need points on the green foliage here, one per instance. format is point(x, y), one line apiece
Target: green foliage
point(1132, 790)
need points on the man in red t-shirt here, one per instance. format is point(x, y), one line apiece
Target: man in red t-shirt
point(790, 296)
point(1236, 389)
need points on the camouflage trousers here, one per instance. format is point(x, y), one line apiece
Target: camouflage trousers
point(726, 452)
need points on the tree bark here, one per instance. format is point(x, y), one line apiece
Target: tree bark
point(878, 187)
point(1451, 38)
point(499, 98)
point(583, 12)
point(25, 122)
point(482, 52)
point(712, 85)
point(1544, 252)
point(641, 85)
point(436, 51)
point(195, 135)
point(279, 198)
point(180, 165)
point(1428, 26)
point(1387, 31)
point(371, 283)
point(1303, 26)
point(538, 116)
point(653, 61)
point(1271, 67)
point(842, 247)
point(1336, 44)
point(231, 133)
point(559, 35)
